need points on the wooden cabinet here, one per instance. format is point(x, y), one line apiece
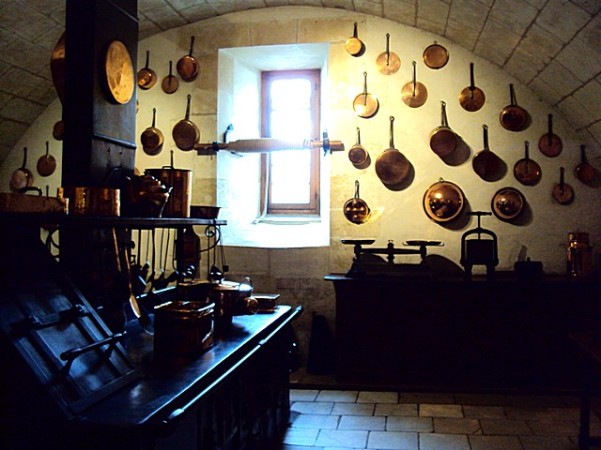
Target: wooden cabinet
point(456, 335)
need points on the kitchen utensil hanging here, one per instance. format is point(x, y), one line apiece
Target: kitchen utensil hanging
point(170, 83)
point(185, 133)
point(388, 62)
point(356, 209)
point(443, 201)
point(527, 171)
point(46, 163)
point(584, 171)
point(357, 154)
point(514, 117)
point(414, 93)
point(392, 167)
point(486, 163)
point(152, 138)
point(562, 192)
point(147, 77)
point(549, 143)
point(353, 45)
point(507, 203)
point(472, 98)
point(366, 105)
point(443, 140)
point(188, 66)
point(435, 56)
point(21, 177)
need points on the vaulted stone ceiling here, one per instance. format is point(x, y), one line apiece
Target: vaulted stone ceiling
point(552, 46)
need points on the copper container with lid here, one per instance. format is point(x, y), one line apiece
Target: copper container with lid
point(578, 255)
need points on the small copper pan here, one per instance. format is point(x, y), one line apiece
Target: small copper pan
point(527, 171)
point(353, 45)
point(472, 98)
point(366, 105)
point(562, 192)
point(436, 56)
point(549, 143)
point(188, 66)
point(170, 83)
point(388, 62)
point(414, 93)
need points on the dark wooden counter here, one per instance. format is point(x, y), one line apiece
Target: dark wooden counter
point(449, 334)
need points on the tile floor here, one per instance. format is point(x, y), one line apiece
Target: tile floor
point(329, 419)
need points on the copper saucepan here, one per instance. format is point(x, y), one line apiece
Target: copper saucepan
point(185, 132)
point(388, 62)
point(584, 171)
point(485, 163)
point(357, 154)
point(170, 83)
point(147, 77)
point(392, 167)
point(353, 45)
point(22, 177)
point(414, 93)
point(527, 171)
point(188, 66)
point(513, 117)
point(443, 140)
point(356, 209)
point(472, 98)
point(562, 192)
point(46, 164)
point(549, 143)
point(152, 138)
point(366, 105)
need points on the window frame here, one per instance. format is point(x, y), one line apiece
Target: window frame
point(313, 206)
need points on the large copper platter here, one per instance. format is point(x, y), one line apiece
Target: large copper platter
point(120, 76)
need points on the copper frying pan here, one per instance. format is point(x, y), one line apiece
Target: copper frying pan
point(549, 143)
point(584, 171)
point(170, 82)
point(513, 117)
point(443, 140)
point(185, 133)
point(152, 138)
point(46, 163)
point(388, 62)
point(366, 105)
point(21, 177)
point(392, 167)
point(472, 98)
point(562, 192)
point(353, 45)
point(357, 154)
point(435, 56)
point(527, 171)
point(485, 163)
point(147, 77)
point(414, 93)
point(188, 66)
point(356, 209)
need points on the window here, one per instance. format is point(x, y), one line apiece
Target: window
point(290, 110)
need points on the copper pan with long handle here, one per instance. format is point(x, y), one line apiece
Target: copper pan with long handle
point(366, 105)
point(562, 192)
point(353, 45)
point(170, 83)
point(152, 138)
point(185, 132)
point(414, 93)
point(188, 66)
point(388, 62)
point(392, 167)
point(46, 163)
point(472, 98)
point(443, 140)
point(486, 163)
point(549, 143)
point(147, 77)
point(527, 171)
point(584, 171)
point(21, 177)
point(513, 117)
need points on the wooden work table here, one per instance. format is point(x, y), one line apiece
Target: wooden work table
point(452, 334)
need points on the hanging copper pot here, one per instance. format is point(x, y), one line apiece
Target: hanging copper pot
point(472, 98)
point(443, 140)
point(527, 171)
point(435, 56)
point(414, 93)
point(584, 171)
point(356, 209)
point(443, 201)
point(485, 163)
point(147, 77)
point(353, 45)
point(366, 105)
point(46, 163)
point(170, 83)
point(152, 138)
point(562, 192)
point(388, 62)
point(185, 133)
point(513, 117)
point(357, 154)
point(549, 143)
point(507, 203)
point(188, 66)
point(392, 167)
point(21, 177)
